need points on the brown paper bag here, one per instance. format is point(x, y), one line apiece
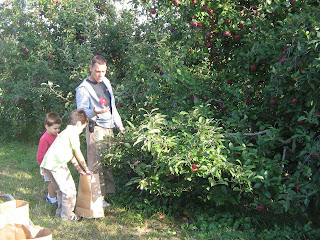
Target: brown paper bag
point(89, 200)
point(22, 232)
point(14, 211)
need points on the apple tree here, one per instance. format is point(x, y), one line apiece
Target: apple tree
point(46, 47)
point(245, 75)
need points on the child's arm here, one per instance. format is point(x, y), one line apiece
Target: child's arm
point(76, 165)
point(81, 160)
point(42, 149)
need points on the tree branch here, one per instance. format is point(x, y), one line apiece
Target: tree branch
point(249, 134)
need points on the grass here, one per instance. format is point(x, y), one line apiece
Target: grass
point(19, 177)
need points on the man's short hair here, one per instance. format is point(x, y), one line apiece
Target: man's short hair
point(76, 116)
point(98, 59)
point(52, 118)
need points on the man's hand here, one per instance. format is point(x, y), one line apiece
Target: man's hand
point(121, 129)
point(104, 110)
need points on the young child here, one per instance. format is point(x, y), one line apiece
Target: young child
point(66, 148)
point(52, 124)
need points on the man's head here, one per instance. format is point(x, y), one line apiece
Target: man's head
point(98, 68)
point(52, 123)
point(78, 118)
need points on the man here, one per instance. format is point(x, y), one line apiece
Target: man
point(102, 120)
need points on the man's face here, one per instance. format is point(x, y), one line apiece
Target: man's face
point(98, 72)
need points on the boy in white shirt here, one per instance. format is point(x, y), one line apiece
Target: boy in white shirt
point(65, 148)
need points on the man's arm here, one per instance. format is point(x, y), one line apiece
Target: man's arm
point(121, 128)
point(83, 102)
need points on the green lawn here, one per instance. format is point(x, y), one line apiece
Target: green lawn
point(19, 177)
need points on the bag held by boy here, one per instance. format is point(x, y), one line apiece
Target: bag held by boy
point(89, 200)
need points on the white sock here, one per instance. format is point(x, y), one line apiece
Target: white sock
point(52, 200)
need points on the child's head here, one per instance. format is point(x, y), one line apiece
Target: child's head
point(78, 118)
point(52, 123)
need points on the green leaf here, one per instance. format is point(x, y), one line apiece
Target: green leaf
point(154, 131)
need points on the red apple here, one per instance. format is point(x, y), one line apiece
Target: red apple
point(222, 107)
point(247, 101)
point(315, 155)
point(253, 67)
point(153, 11)
point(229, 82)
point(195, 167)
point(194, 24)
point(119, 104)
point(237, 36)
point(298, 188)
point(294, 101)
point(1, 101)
point(102, 101)
point(226, 33)
point(208, 34)
point(194, 1)
point(210, 11)
point(249, 91)
point(261, 208)
point(273, 101)
point(254, 28)
point(176, 2)
point(208, 44)
point(162, 218)
point(241, 25)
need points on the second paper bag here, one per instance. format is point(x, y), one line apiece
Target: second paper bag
point(89, 200)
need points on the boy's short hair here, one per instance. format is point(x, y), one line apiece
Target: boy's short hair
point(98, 59)
point(51, 119)
point(76, 116)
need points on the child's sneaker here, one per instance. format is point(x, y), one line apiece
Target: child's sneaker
point(50, 201)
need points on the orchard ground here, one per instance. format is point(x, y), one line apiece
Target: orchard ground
point(19, 177)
